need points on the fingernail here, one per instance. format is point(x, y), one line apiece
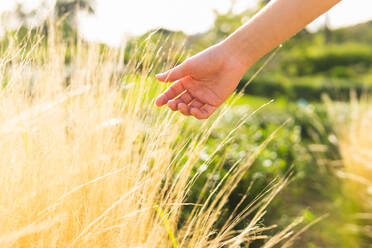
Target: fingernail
point(160, 74)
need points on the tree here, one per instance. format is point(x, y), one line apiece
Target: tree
point(71, 7)
point(62, 9)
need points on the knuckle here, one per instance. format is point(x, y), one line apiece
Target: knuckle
point(187, 64)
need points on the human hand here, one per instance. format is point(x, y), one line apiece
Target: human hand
point(201, 83)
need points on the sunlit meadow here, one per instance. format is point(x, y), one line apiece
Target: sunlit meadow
point(88, 161)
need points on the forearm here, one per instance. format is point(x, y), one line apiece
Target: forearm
point(275, 23)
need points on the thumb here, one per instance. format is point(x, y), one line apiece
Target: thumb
point(175, 73)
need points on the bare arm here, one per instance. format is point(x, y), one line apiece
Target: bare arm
point(275, 23)
point(203, 82)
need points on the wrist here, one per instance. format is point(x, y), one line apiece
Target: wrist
point(238, 52)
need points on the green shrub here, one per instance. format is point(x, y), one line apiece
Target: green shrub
point(308, 88)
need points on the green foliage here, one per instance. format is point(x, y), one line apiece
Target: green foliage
point(311, 64)
point(349, 57)
point(306, 87)
point(70, 7)
point(305, 146)
point(361, 33)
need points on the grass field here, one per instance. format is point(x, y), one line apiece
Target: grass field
point(87, 160)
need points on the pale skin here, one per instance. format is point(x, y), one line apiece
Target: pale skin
point(204, 81)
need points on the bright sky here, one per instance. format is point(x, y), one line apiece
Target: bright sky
point(116, 19)
point(136, 17)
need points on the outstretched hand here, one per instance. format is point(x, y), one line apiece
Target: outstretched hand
point(201, 83)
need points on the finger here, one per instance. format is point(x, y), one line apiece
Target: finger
point(173, 91)
point(203, 113)
point(184, 98)
point(196, 104)
point(183, 108)
point(175, 73)
point(172, 105)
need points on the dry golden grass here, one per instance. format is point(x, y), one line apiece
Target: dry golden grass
point(355, 142)
point(88, 161)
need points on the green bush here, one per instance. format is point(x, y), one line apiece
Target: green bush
point(308, 88)
point(327, 57)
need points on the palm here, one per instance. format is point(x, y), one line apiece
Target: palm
point(203, 91)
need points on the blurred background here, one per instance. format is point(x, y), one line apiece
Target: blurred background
point(330, 59)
